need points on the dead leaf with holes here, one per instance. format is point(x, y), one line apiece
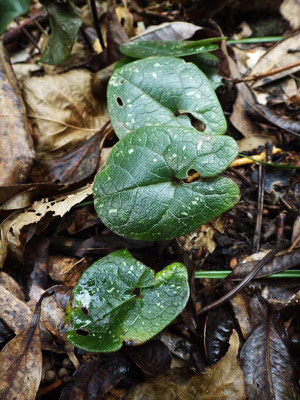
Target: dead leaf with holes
point(64, 111)
point(12, 226)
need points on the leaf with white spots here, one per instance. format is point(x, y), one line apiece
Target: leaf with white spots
point(172, 48)
point(162, 91)
point(118, 299)
point(142, 192)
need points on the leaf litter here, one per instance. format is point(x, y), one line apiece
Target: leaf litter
point(56, 137)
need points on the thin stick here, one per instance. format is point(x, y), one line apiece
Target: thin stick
point(96, 23)
point(243, 283)
point(260, 205)
point(274, 71)
point(29, 36)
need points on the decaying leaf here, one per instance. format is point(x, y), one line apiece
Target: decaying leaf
point(75, 166)
point(67, 270)
point(290, 9)
point(59, 205)
point(222, 381)
point(169, 31)
point(64, 111)
point(16, 149)
point(21, 364)
point(267, 364)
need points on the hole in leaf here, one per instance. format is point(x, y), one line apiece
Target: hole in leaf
point(122, 21)
point(85, 310)
point(122, 80)
point(137, 293)
point(82, 332)
point(196, 123)
point(176, 114)
point(175, 180)
point(120, 101)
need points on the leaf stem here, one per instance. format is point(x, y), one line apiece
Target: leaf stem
point(266, 39)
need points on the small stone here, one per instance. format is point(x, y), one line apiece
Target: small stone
point(67, 363)
point(63, 372)
point(50, 375)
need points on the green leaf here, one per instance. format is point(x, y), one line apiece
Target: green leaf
point(141, 194)
point(65, 24)
point(208, 63)
point(10, 9)
point(118, 299)
point(172, 48)
point(154, 91)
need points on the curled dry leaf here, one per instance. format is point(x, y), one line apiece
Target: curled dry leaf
point(16, 149)
point(59, 206)
point(222, 381)
point(21, 364)
point(64, 111)
point(169, 31)
point(290, 9)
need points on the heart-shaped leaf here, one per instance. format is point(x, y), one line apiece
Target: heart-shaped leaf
point(171, 48)
point(140, 193)
point(118, 299)
point(154, 91)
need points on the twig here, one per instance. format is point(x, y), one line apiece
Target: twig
point(96, 23)
point(260, 204)
point(17, 33)
point(243, 283)
point(29, 36)
point(255, 77)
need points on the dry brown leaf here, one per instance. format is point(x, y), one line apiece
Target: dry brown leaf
point(64, 111)
point(67, 270)
point(253, 142)
point(203, 237)
point(290, 10)
point(240, 304)
point(11, 285)
point(16, 149)
point(14, 312)
point(58, 206)
point(223, 381)
point(278, 56)
point(21, 365)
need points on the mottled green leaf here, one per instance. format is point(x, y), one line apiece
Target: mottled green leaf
point(65, 24)
point(141, 193)
point(118, 299)
point(10, 9)
point(171, 48)
point(156, 90)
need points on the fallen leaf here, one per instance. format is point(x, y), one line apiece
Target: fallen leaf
point(290, 10)
point(58, 206)
point(16, 149)
point(21, 364)
point(240, 305)
point(278, 56)
point(64, 111)
point(75, 166)
point(266, 361)
point(169, 31)
point(67, 270)
point(152, 357)
point(222, 381)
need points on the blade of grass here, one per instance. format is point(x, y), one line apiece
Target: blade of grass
point(283, 166)
point(223, 274)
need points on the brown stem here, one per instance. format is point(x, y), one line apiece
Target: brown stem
point(243, 283)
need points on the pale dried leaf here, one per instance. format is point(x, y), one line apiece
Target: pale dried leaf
point(290, 10)
point(67, 270)
point(21, 365)
point(240, 305)
point(16, 149)
point(169, 31)
point(278, 56)
point(11, 285)
point(64, 111)
point(58, 206)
